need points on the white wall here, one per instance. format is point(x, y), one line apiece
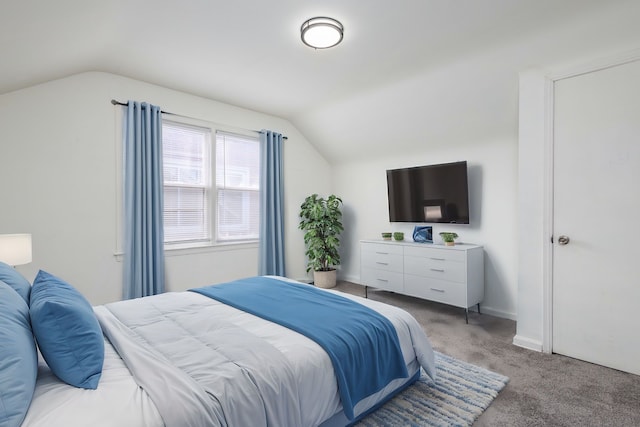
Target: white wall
point(467, 109)
point(59, 177)
point(492, 167)
point(532, 201)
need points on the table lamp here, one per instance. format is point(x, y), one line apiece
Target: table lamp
point(15, 249)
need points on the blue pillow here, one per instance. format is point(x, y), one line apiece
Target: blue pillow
point(67, 331)
point(18, 358)
point(11, 277)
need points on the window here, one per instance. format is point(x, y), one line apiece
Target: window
point(187, 183)
point(196, 213)
point(237, 187)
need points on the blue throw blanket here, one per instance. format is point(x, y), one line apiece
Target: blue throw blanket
point(363, 345)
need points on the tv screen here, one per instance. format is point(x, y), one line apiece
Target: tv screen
point(429, 194)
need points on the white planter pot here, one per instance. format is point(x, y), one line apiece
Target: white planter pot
point(324, 279)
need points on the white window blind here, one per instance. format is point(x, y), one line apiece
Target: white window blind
point(187, 183)
point(238, 187)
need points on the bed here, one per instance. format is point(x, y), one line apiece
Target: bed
point(189, 359)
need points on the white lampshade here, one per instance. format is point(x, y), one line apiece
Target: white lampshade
point(321, 32)
point(15, 249)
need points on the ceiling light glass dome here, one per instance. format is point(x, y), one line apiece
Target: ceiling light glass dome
point(321, 32)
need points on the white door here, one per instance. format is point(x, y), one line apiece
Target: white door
point(596, 203)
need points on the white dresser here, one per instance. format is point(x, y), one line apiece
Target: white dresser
point(451, 275)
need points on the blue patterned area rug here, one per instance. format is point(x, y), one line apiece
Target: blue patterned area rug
point(461, 393)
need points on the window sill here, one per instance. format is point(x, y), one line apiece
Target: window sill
point(205, 248)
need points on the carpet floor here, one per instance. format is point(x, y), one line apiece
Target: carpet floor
point(461, 393)
point(543, 389)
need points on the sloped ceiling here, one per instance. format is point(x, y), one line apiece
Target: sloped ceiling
point(408, 71)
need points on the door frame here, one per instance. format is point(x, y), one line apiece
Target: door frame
point(548, 83)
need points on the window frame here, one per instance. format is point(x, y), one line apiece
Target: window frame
point(206, 185)
point(246, 189)
point(212, 243)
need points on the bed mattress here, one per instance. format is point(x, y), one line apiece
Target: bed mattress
point(281, 377)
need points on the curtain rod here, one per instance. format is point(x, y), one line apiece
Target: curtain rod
point(124, 104)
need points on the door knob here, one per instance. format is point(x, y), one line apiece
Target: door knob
point(563, 240)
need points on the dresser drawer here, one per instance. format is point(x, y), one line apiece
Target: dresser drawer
point(436, 254)
point(382, 261)
point(436, 290)
point(436, 269)
point(382, 248)
point(387, 280)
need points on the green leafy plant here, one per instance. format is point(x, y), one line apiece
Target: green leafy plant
point(321, 220)
point(448, 236)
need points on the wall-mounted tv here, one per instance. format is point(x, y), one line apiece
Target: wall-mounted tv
point(429, 194)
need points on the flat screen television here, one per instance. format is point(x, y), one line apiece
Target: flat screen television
point(429, 194)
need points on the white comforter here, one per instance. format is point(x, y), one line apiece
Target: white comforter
point(199, 362)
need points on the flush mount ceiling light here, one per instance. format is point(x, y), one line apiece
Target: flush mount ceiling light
point(321, 32)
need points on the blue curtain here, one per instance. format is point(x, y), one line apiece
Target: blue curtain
point(143, 192)
point(271, 249)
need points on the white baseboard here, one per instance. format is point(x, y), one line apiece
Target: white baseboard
point(527, 343)
point(350, 278)
point(497, 313)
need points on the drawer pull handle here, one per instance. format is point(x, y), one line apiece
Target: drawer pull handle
point(382, 263)
point(437, 290)
point(439, 270)
point(382, 280)
point(382, 253)
point(439, 259)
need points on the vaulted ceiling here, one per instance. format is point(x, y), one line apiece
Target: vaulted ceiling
point(406, 70)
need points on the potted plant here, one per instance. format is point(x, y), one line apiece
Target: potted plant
point(321, 221)
point(448, 237)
